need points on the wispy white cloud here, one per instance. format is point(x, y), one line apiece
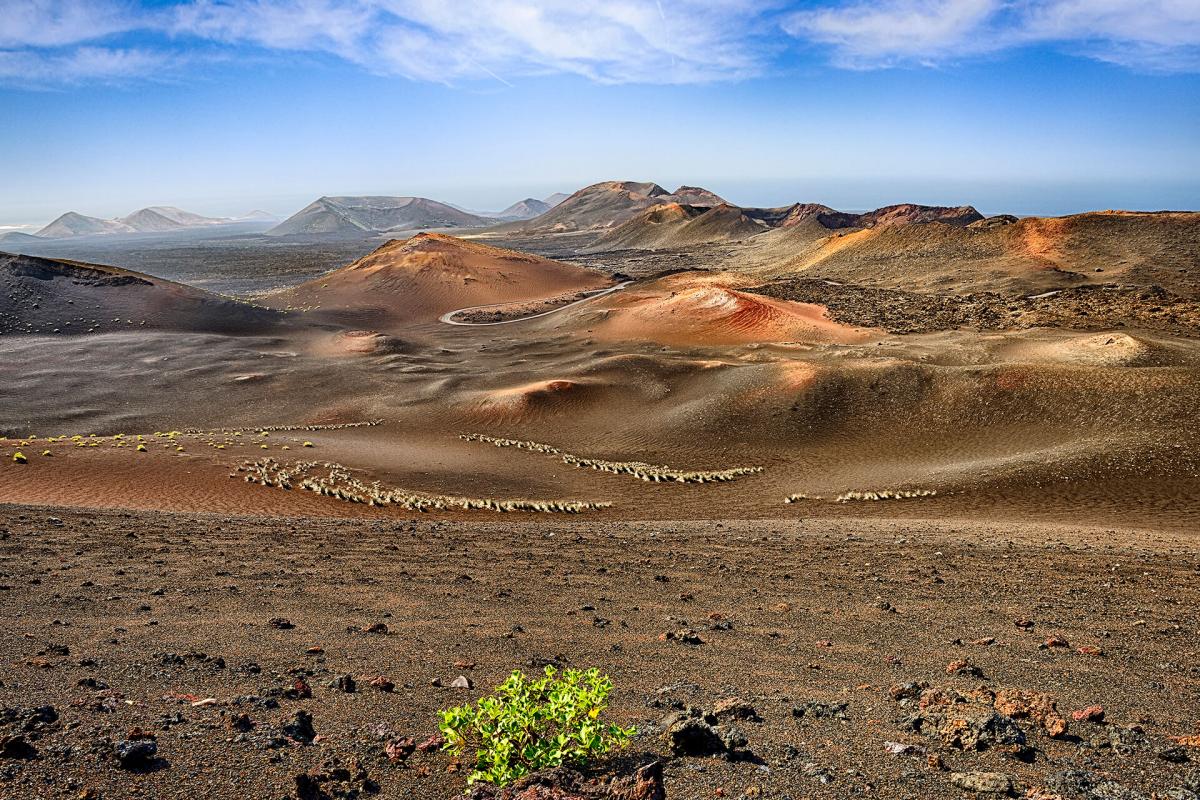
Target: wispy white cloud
point(608, 41)
point(51, 23)
point(81, 64)
point(1160, 35)
point(866, 35)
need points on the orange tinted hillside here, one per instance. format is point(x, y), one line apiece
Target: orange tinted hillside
point(703, 310)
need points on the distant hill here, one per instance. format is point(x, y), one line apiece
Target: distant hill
point(75, 224)
point(150, 221)
point(525, 209)
point(672, 224)
point(18, 238)
point(153, 219)
point(48, 296)
point(677, 225)
point(607, 205)
point(356, 216)
point(257, 216)
point(420, 278)
point(182, 218)
point(555, 199)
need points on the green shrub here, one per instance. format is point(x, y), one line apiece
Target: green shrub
point(528, 725)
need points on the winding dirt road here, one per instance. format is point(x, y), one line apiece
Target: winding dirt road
point(448, 316)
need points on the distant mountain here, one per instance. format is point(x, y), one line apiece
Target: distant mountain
point(609, 204)
point(75, 224)
point(18, 238)
point(148, 221)
point(555, 199)
point(257, 216)
point(153, 219)
point(525, 209)
point(356, 216)
point(182, 218)
point(671, 225)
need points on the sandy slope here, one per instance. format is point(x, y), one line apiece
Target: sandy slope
point(41, 295)
point(689, 370)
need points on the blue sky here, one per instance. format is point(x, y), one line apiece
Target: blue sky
point(1029, 106)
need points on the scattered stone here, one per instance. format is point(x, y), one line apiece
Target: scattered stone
point(1089, 714)
point(299, 727)
point(982, 782)
point(462, 682)
point(1173, 754)
point(280, 623)
point(1038, 706)
point(694, 732)
point(687, 636)
point(432, 744)
point(378, 627)
point(885, 606)
point(817, 710)
point(964, 667)
point(135, 753)
point(398, 750)
point(903, 749)
point(907, 691)
point(735, 708)
point(335, 782)
point(692, 736)
point(382, 684)
point(241, 723)
point(17, 747)
point(1126, 740)
point(344, 683)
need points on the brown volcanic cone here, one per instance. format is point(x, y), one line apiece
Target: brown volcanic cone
point(607, 205)
point(421, 278)
point(677, 225)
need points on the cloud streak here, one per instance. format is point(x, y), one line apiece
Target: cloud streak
point(1155, 35)
point(607, 41)
point(614, 41)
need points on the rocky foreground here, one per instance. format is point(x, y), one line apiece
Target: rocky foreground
point(163, 656)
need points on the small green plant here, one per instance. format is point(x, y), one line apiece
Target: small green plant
point(528, 725)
